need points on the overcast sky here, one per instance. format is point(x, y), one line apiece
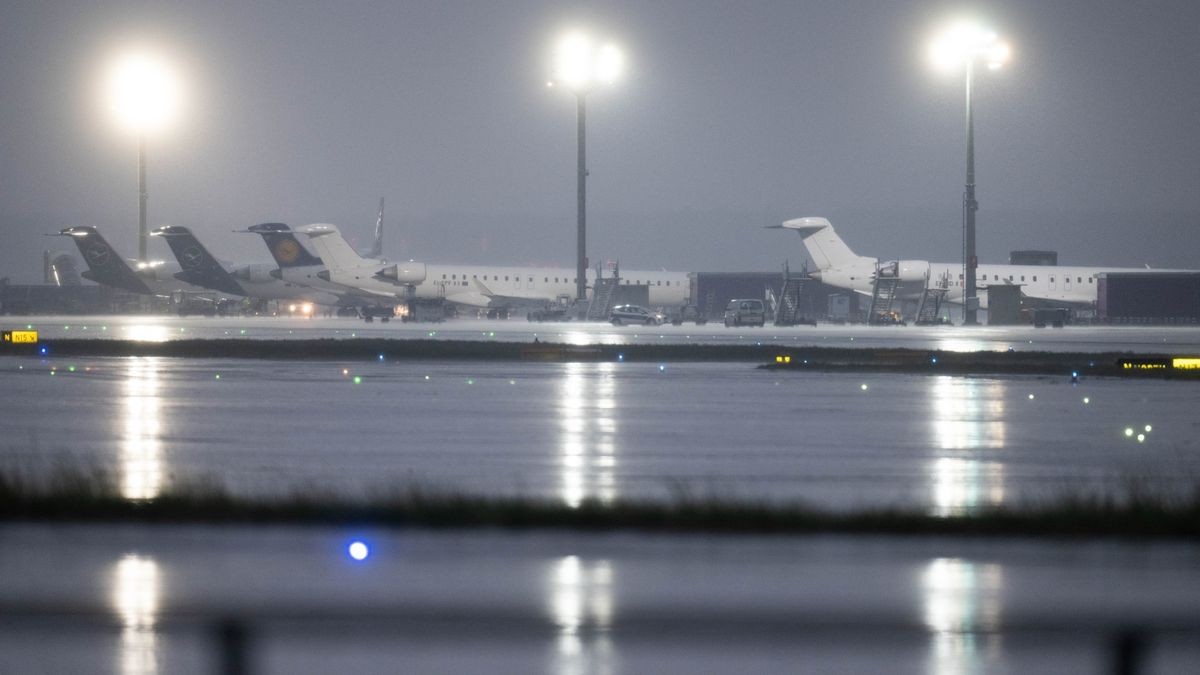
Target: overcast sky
point(733, 115)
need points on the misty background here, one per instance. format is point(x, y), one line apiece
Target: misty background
point(731, 116)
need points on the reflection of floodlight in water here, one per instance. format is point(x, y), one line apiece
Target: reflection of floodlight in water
point(144, 96)
point(580, 65)
point(962, 44)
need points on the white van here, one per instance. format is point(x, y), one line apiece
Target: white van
point(745, 313)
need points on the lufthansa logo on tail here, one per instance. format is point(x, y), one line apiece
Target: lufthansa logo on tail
point(287, 250)
point(97, 256)
point(192, 258)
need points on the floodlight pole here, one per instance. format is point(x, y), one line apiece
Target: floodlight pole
point(143, 232)
point(970, 206)
point(581, 217)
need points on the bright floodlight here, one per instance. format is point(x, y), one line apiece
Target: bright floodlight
point(963, 42)
point(143, 93)
point(580, 64)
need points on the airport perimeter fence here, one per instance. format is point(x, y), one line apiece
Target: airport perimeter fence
point(234, 643)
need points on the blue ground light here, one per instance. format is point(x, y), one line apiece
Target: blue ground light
point(358, 550)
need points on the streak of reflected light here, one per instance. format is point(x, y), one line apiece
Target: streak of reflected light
point(137, 587)
point(961, 600)
point(581, 606)
point(967, 415)
point(588, 426)
point(146, 332)
point(141, 444)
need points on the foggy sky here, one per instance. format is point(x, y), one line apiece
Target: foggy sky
point(733, 115)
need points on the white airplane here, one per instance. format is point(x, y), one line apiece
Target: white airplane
point(473, 285)
point(298, 266)
point(840, 267)
point(107, 267)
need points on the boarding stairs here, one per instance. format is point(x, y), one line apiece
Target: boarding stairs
point(887, 283)
point(787, 311)
point(929, 311)
point(602, 297)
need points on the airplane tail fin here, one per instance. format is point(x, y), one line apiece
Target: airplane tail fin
point(824, 245)
point(199, 267)
point(377, 246)
point(328, 242)
point(105, 265)
point(284, 247)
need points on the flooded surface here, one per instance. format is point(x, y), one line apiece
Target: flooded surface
point(1177, 340)
point(601, 431)
point(147, 600)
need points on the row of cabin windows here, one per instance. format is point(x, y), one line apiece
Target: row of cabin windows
point(996, 277)
point(454, 277)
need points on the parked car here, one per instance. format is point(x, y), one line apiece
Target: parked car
point(623, 314)
point(745, 313)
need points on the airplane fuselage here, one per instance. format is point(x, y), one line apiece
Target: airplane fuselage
point(1071, 285)
point(486, 286)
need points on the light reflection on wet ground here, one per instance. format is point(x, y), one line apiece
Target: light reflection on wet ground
point(948, 338)
point(598, 431)
point(583, 603)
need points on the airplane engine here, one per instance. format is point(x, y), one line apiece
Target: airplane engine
point(909, 271)
point(403, 273)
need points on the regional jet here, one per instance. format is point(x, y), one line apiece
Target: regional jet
point(253, 280)
point(298, 266)
point(107, 267)
point(472, 285)
point(840, 267)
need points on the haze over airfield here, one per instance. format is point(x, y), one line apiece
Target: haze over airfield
point(731, 116)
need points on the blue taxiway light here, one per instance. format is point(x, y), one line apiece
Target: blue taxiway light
point(358, 550)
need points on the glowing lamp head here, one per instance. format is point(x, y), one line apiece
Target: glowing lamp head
point(580, 64)
point(963, 42)
point(143, 93)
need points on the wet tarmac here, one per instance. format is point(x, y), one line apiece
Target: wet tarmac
point(1143, 339)
point(604, 431)
point(145, 600)
point(148, 600)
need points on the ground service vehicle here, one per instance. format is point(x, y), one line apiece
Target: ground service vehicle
point(745, 313)
point(623, 314)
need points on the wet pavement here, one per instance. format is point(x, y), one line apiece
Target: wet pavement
point(1155, 339)
point(604, 431)
point(152, 599)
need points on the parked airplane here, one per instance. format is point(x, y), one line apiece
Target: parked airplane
point(476, 286)
point(838, 266)
point(253, 280)
point(298, 266)
point(106, 266)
